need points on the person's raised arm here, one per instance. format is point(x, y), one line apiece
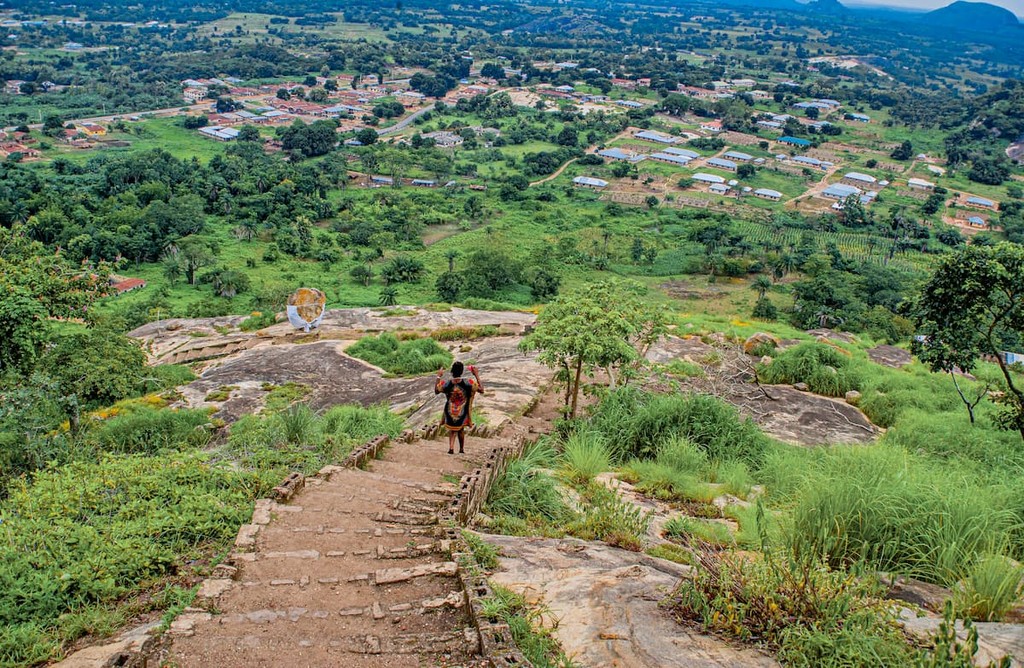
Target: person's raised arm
point(476, 374)
point(439, 384)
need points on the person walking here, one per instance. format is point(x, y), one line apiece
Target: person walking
point(459, 393)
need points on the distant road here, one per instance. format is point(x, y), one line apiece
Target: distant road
point(404, 123)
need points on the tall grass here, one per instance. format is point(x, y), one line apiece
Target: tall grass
point(406, 358)
point(584, 455)
point(149, 430)
point(638, 424)
point(527, 492)
point(826, 369)
point(991, 588)
point(897, 513)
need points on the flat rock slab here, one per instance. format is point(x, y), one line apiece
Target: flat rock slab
point(890, 356)
point(606, 603)
point(995, 640)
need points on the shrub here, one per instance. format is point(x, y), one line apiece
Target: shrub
point(257, 321)
point(637, 424)
point(810, 615)
point(585, 455)
point(408, 358)
point(825, 369)
point(607, 517)
point(683, 456)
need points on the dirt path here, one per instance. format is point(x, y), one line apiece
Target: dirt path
point(352, 572)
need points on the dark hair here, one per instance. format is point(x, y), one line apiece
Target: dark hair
point(457, 369)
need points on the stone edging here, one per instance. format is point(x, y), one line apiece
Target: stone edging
point(496, 643)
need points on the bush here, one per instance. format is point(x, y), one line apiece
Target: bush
point(810, 615)
point(992, 587)
point(607, 517)
point(683, 456)
point(407, 358)
point(826, 369)
point(637, 424)
point(257, 321)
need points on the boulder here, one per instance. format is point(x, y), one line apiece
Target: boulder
point(853, 397)
point(803, 387)
point(758, 339)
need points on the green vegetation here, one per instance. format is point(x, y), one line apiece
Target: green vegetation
point(529, 628)
point(412, 357)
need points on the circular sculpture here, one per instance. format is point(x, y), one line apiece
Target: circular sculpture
point(306, 308)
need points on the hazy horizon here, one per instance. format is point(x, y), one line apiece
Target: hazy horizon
point(1015, 6)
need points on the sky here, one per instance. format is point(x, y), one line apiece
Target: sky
point(1015, 6)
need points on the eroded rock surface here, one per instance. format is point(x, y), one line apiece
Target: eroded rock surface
point(890, 356)
point(605, 601)
point(242, 365)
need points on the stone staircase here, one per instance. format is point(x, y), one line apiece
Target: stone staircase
point(355, 570)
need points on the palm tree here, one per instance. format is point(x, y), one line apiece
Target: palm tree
point(762, 284)
point(388, 296)
point(451, 255)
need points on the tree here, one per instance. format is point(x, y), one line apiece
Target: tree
point(764, 309)
point(194, 254)
point(248, 133)
point(489, 271)
point(762, 284)
point(366, 137)
point(362, 273)
point(492, 71)
point(567, 137)
point(283, 94)
point(388, 296)
point(903, 152)
point(449, 286)
point(973, 305)
point(402, 269)
point(543, 284)
point(745, 171)
point(605, 325)
point(98, 367)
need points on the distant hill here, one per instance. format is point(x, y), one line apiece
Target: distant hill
point(977, 16)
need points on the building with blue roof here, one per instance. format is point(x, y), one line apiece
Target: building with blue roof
point(795, 141)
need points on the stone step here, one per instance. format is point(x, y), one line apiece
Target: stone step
point(351, 566)
point(340, 649)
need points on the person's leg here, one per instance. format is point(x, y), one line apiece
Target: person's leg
point(451, 441)
point(462, 440)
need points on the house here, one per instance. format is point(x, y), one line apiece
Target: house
point(720, 85)
point(977, 221)
point(588, 182)
point(718, 188)
point(769, 194)
point(659, 137)
point(684, 152)
point(445, 139)
point(92, 129)
point(73, 46)
point(566, 66)
point(629, 104)
point(680, 160)
point(628, 84)
point(721, 163)
point(644, 81)
point(707, 178)
point(807, 161)
point(769, 125)
point(795, 141)
point(840, 191)
point(194, 94)
point(565, 89)
point(858, 179)
point(219, 133)
point(424, 183)
point(868, 197)
point(10, 148)
point(920, 184)
point(980, 202)
point(829, 103)
point(712, 126)
point(860, 118)
point(737, 155)
point(378, 181)
point(743, 83)
point(123, 285)
point(619, 154)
